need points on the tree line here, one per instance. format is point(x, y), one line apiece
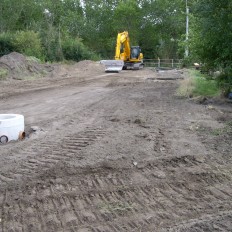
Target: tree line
point(77, 29)
point(54, 30)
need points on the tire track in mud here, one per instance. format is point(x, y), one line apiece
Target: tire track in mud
point(155, 196)
point(108, 199)
point(146, 198)
point(48, 154)
point(218, 222)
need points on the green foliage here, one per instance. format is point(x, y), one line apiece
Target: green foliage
point(162, 26)
point(211, 36)
point(224, 82)
point(204, 87)
point(198, 84)
point(3, 73)
point(51, 41)
point(74, 49)
point(220, 131)
point(6, 43)
point(154, 25)
point(28, 43)
point(126, 18)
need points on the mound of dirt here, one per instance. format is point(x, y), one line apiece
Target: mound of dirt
point(89, 65)
point(18, 66)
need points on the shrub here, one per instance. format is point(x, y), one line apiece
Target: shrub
point(6, 43)
point(224, 82)
point(74, 49)
point(28, 43)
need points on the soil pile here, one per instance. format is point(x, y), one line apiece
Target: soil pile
point(18, 66)
point(89, 65)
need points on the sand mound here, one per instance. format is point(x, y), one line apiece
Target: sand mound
point(89, 65)
point(18, 66)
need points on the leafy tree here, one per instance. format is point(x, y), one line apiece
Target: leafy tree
point(163, 23)
point(19, 15)
point(74, 49)
point(127, 17)
point(211, 37)
point(154, 25)
point(212, 33)
point(99, 33)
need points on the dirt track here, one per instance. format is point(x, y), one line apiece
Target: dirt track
point(115, 152)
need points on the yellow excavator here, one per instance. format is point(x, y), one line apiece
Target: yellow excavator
point(126, 56)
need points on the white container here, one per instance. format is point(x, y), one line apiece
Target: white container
point(11, 127)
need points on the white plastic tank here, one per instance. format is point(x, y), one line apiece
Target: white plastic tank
point(11, 127)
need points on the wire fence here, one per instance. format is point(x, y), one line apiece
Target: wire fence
point(163, 63)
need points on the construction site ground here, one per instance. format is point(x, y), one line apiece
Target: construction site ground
point(114, 152)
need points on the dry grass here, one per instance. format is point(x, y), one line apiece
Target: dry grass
point(186, 88)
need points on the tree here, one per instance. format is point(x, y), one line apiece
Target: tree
point(212, 34)
point(163, 23)
point(154, 25)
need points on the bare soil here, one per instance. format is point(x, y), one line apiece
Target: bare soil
point(114, 152)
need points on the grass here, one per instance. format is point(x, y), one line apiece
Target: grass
point(197, 84)
point(227, 129)
point(3, 73)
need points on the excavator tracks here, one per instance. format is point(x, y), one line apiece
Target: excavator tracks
point(124, 156)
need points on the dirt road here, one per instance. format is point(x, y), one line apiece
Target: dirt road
point(115, 152)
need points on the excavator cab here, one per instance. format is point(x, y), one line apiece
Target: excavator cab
point(135, 52)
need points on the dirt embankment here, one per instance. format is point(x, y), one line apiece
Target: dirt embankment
point(17, 66)
point(19, 74)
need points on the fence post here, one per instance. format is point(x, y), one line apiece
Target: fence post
point(158, 62)
point(172, 63)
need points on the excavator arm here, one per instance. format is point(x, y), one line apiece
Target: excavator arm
point(122, 50)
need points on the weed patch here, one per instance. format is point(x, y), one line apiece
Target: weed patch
point(204, 87)
point(227, 129)
point(3, 73)
point(197, 84)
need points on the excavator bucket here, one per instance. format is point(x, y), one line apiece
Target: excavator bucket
point(113, 65)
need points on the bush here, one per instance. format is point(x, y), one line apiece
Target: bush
point(224, 82)
point(187, 62)
point(6, 43)
point(74, 49)
point(28, 43)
